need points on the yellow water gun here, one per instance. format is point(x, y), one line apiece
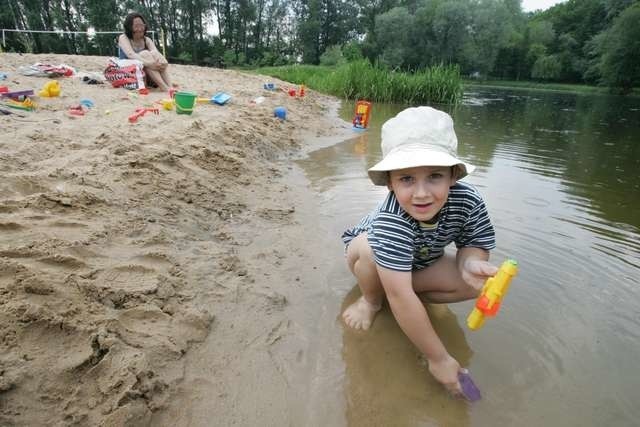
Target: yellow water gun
point(494, 289)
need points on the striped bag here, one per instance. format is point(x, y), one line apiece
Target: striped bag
point(126, 73)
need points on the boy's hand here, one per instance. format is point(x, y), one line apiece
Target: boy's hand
point(445, 371)
point(475, 272)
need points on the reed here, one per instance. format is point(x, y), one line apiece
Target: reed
point(361, 80)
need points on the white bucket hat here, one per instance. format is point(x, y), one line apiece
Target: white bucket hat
point(420, 136)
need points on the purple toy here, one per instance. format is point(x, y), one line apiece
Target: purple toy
point(17, 94)
point(469, 389)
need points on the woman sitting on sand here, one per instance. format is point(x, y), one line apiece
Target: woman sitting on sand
point(134, 44)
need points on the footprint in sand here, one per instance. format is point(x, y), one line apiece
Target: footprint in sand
point(69, 230)
point(119, 286)
point(40, 340)
point(132, 279)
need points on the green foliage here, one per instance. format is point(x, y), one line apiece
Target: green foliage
point(229, 57)
point(541, 32)
point(449, 24)
point(268, 59)
point(535, 51)
point(361, 80)
point(352, 51)
point(546, 68)
point(616, 52)
point(392, 36)
point(332, 56)
point(184, 57)
point(489, 30)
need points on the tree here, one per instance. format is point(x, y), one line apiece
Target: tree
point(541, 32)
point(546, 67)
point(616, 52)
point(489, 31)
point(450, 27)
point(392, 36)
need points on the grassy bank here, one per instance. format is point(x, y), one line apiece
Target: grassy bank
point(559, 87)
point(361, 80)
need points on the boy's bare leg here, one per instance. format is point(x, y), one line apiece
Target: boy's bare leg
point(360, 314)
point(441, 282)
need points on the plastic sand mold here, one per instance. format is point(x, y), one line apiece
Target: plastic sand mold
point(221, 98)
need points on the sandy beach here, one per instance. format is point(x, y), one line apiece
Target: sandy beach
point(124, 246)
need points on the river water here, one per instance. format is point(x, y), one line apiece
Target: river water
point(559, 173)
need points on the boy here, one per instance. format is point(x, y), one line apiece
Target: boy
point(397, 251)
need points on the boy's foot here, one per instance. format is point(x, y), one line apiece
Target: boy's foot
point(360, 314)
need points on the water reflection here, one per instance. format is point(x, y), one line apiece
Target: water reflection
point(559, 173)
point(590, 143)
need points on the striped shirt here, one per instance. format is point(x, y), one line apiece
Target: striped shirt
point(400, 242)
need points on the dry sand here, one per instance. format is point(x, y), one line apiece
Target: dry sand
point(123, 247)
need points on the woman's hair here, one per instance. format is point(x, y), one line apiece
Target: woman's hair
point(128, 24)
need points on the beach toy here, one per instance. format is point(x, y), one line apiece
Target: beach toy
point(86, 103)
point(493, 291)
point(280, 112)
point(185, 101)
point(4, 89)
point(258, 100)
point(141, 111)
point(143, 91)
point(167, 104)
point(3, 76)
point(220, 98)
point(26, 104)
point(172, 92)
point(50, 89)
point(76, 110)
point(291, 92)
point(361, 116)
point(301, 91)
point(269, 86)
point(469, 389)
point(19, 95)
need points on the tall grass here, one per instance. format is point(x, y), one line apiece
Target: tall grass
point(361, 80)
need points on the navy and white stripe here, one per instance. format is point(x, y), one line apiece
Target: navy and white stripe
point(399, 242)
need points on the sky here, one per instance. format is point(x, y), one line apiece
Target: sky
point(531, 5)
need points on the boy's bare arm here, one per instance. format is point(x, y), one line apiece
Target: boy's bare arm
point(474, 266)
point(414, 321)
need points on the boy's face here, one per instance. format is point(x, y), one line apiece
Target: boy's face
point(422, 191)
